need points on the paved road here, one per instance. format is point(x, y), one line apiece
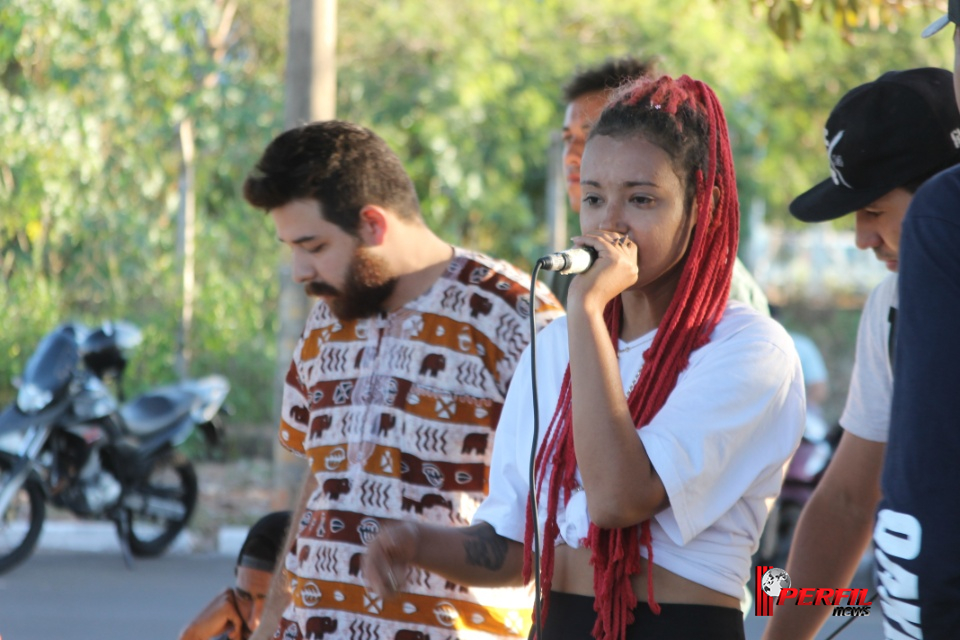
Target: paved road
point(92, 596)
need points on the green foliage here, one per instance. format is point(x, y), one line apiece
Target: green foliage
point(92, 93)
point(785, 17)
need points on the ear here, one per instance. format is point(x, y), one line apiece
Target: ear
point(372, 229)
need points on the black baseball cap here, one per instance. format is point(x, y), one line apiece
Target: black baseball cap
point(952, 15)
point(882, 135)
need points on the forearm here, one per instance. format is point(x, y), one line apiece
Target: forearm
point(475, 555)
point(279, 595)
point(219, 616)
point(622, 487)
point(832, 533)
point(828, 543)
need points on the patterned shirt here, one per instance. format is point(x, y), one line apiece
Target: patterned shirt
point(396, 415)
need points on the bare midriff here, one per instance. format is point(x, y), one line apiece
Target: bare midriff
point(572, 573)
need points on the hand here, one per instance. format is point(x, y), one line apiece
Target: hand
point(614, 270)
point(388, 558)
point(218, 617)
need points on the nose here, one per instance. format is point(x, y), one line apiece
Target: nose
point(866, 233)
point(255, 612)
point(303, 270)
point(613, 219)
point(572, 152)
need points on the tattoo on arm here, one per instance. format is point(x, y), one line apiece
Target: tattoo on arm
point(485, 548)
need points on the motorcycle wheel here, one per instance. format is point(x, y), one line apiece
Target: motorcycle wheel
point(22, 521)
point(161, 505)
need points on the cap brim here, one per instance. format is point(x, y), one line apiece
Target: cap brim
point(936, 26)
point(827, 201)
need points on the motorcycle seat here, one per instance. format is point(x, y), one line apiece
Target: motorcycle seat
point(155, 410)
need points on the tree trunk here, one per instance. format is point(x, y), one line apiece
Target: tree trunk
point(311, 78)
point(186, 229)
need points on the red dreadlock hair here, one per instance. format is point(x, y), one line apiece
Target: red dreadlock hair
point(685, 119)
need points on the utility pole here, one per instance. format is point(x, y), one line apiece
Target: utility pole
point(556, 196)
point(186, 244)
point(311, 94)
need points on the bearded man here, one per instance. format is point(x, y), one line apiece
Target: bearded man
point(395, 387)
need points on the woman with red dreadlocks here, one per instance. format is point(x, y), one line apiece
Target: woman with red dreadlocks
point(671, 411)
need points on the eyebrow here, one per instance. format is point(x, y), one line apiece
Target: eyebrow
point(628, 183)
point(299, 240)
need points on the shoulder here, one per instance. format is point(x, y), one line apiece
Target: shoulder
point(945, 183)
point(749, 362)
point(473, 267)
point(749, 348)
point(938, 198)
point(500, 280)
point(742, 325)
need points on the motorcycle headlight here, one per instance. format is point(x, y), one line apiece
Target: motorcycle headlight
point(31, 398)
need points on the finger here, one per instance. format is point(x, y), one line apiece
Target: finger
point(602, 239)
point(375, 567)
point(392, 581)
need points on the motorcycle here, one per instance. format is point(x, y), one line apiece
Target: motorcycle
point(807, 467)
point(71, 443)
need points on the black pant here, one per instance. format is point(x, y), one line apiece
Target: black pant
point(571, 617)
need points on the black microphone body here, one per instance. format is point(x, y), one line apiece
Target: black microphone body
point(570, 261)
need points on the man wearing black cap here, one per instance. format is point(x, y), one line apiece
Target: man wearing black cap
point(917, 535)
point(235, 613)
point(884, 139)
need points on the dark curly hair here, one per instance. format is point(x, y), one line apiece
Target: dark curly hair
point(342, 166)
point(608, 76)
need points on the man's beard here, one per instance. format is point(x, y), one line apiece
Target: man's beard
point(366, 289)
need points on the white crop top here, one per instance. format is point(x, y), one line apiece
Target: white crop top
point(720, 445)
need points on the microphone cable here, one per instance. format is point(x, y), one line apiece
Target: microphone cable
point(846, 623)
point(534, 513)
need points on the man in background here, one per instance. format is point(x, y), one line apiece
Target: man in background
point(918, 525)
point(884, 139)
point(235, 613)
point(394, 390)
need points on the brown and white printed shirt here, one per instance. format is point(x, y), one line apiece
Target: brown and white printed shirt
point(396, 415)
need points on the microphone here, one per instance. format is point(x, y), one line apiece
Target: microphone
point(575, 260)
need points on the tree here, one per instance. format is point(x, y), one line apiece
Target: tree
point(785, 17)
point(466, 92)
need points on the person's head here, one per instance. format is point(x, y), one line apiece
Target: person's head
point(585, 94)
point(335, 190)
point(657, 167)
point(884, 140)
point(258, 557)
